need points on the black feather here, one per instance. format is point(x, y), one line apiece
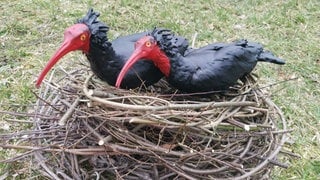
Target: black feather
point(213, 67)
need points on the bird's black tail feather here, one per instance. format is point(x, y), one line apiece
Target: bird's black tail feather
point(267, 56)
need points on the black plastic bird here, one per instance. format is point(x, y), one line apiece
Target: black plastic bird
point(107, 58)
point(213, 67)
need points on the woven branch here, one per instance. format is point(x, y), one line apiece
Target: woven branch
point(87, 129)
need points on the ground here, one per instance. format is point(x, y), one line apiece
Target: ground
point(30, 32)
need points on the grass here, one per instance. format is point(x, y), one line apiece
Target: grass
point(30, 31)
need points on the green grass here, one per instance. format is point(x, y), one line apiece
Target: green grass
point(30, 31)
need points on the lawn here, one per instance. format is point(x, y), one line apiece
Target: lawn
point(30, 32)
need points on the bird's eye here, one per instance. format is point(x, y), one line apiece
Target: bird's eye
point(83, 37)
point(148, 43)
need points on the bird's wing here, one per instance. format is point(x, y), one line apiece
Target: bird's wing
point(220, 63)
point(208, 48)
point(124, 45)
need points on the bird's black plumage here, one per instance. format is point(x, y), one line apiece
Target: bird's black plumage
point(107, 58)
point(213, 67)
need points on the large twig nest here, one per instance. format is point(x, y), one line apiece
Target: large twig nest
point(86, 129)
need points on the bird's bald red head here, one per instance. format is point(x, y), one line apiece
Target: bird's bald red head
point(146, 48)
point(76, 37)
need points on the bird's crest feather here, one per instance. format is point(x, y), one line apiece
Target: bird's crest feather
point(97, 28)
point(168, 42)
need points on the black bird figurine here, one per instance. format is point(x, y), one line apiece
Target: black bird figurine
point(107, 58)
point(214, 67)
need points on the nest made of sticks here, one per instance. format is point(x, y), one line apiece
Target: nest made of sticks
point(86, 129)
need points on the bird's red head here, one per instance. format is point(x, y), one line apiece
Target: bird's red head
point(76, 37)
point(146, 48)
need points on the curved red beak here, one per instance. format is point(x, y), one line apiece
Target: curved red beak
point(137, 54)
point(76, 37)
point(146, 48)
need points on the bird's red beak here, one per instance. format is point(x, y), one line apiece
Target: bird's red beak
point(76, 37)
point(142, 50)
point(145, 48)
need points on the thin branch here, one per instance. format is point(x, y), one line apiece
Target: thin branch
point(69, 112)
point(164, 107)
